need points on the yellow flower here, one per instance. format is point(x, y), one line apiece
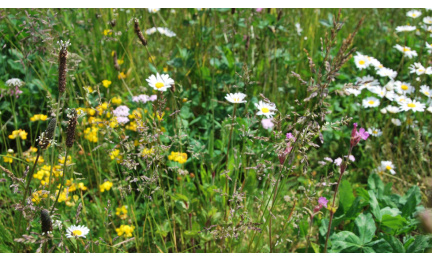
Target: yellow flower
point(38, 117)
point(18, 133)
point(125, 230)
point(178, 157)
point(165, 69)
point(91, 134)
point(81, 186)
point(106, 83)
point(132, 126)
point(62, 160)
point(33, 149)
point(107, 32)
point(121, 75)
point(120, 62)
point(122, 212)
point(135, 114)
point(115, 155)
point(81, 110)
point(113, 123)
point(106, 186)
point(91, 111)
point(89, 89)
point(7, 159)
point(37, 196)
point(104, 105)
point(146, 152)
point(116, 100)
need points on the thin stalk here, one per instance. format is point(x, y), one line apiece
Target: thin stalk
point(227, 161)
point(61, 183)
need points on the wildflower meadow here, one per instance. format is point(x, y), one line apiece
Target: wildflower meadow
point(212, 130)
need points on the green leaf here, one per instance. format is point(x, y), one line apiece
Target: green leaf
point(346, 196)
point(410, 205)
point(419, 245)
point(365, 227)
point(396, 245)
point(375, 208)
point(343, 241)
point(375, 184)
point(393, 222)
point(390, 211)
point(380, 246)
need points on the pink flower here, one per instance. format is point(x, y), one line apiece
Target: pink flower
point(356, 136)
point(267, 123)
point(289, 136)
point(322, 201)
point(259, 10)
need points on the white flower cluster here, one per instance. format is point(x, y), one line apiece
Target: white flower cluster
point(161, 30)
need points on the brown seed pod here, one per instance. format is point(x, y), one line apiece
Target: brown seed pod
point(139, 33)
point(46, 222)
point(70, 132)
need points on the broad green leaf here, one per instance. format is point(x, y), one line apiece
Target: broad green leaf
point(375, 208)
point(396, 244)
point(393, 222)
point(419, 245)
point(390, 211)
point(365, 227)
point(346, 196)
point(410, 205)
point(344, 240)
point(380, 246)
point(375, 184)
point(355, 209)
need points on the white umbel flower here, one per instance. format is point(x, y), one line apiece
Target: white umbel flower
point(413, 13)
point(388, 165)
point(413, 105)
point(406, 51)
point(14, 82)
point(265, 109)
point(405, 28)
point(77, 231)
point(371, 102)
point(236, 97)
point(160, 82)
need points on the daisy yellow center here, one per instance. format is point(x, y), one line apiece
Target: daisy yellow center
point(405, 49)
point(159, 85)
point(76, 232)
point(411, 105)
point(362, 62)
point(265, 110)
point(371, 102)
point(404, 87)
point(414, 15)
point(427, 93)
point(375, 132)
point(388, 167)
point(236, 99)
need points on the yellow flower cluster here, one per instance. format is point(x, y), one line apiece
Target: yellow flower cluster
point(178, 157)
point(62, 160)
point(115, 155)
point(38, 117)
point(122, 212)
point(18, 133)
point(146, 152)
point(125, 230)
point(37, 196)
point(91, 134)
point(44, 173)
point(107, 32)
point(106, 186)
point(116, 100)
point(121, 75)
point(30, 157)
point(106, 83)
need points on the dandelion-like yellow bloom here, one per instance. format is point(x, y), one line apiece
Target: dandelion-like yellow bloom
point(178, 157)
point(37, 196)
point(106, 186)
point(62, 160)
point(116, 100)
point(147, 152)
point(18, 133)
point(38, 117)
point(125, 230)
point(81, 186)
point(106, 83)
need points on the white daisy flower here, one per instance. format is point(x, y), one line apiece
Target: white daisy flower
point(77, 231)
point(265, 109)
point(153, 10)
point(405, 28)
point(406, 51)
point(413, 13)
point(361, 61)
point(392, 109)
point(385, 72)
point(401, 99)
point(403, 88)
point(166, 31)
point(375, 63)
point(413, 105)
point(374, 131)
point(427, 28)
point(396, 121)
point(427, 20)
point(160, 82)
point(388, 165)
point(151, 30)
point(383, 110)
point(352, 91)
point(236, 97)
point(426, 91)
point(366, 81)
point(429, 109)
point(371, 102)
point(417, 68)
point(298, 28)
point(390, 85)
point(428, 70)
